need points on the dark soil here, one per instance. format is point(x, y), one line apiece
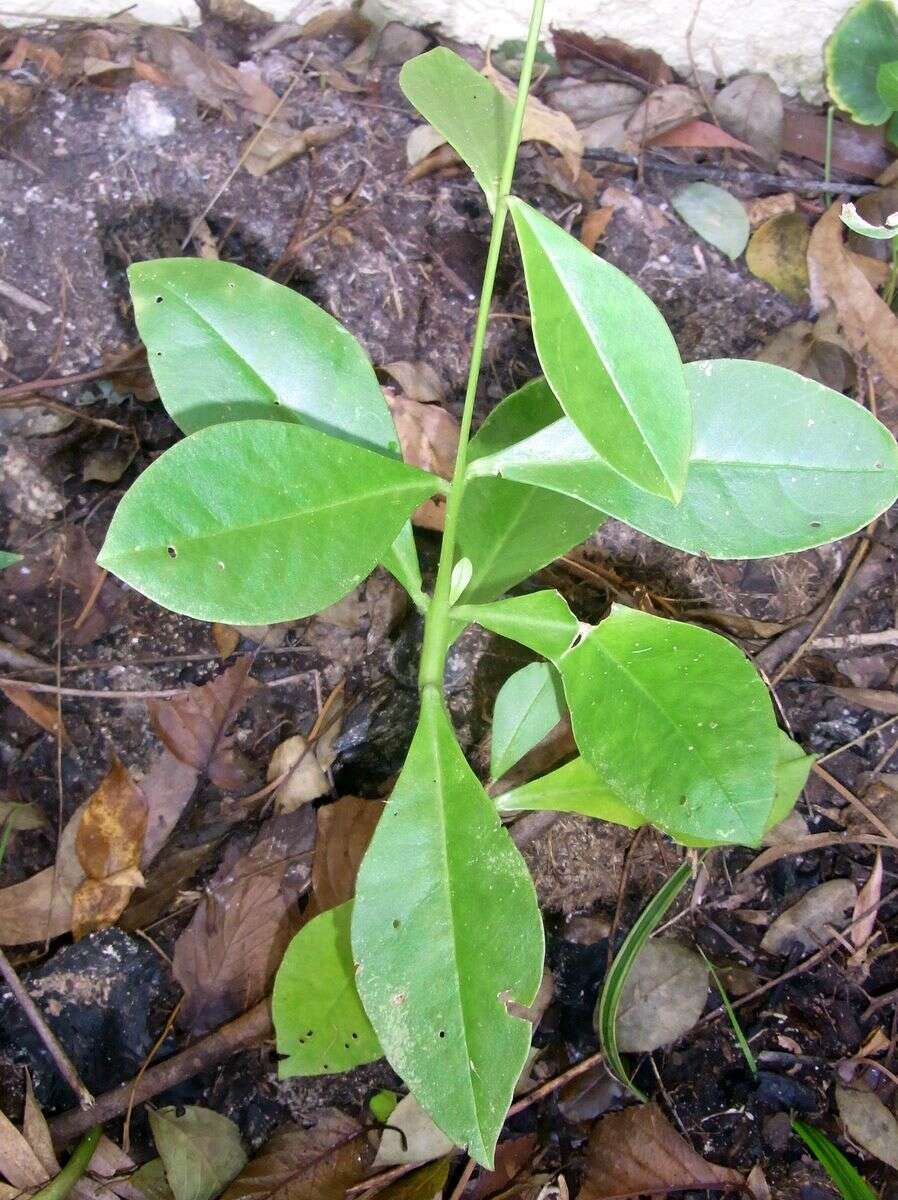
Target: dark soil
point(84, 194)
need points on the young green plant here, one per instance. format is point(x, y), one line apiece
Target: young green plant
point(862, 64)
point(289, 489)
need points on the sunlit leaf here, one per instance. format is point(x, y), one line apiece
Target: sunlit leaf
point(780, 463)
point(258, 521)
point(227, 344)
point(318, 1017)
point(608, 356)
point(429, 975)
point(855, 222)
point(541, 621)
point(529, 704)
point(470, 112)
point(510, 530)
point(679, 723)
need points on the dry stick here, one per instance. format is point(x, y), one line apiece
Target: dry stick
point(111, 694)
point(853, 800)
point(144, 1067)
point(253, 1026)
point(861, 737)
point(463, 1179)
point(63, 1063)
point(552, 1085)
point(9, 395)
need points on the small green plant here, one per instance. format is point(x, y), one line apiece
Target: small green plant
point(289, 489)
point(862, 64)
point(888, 232)
point(850, 1184)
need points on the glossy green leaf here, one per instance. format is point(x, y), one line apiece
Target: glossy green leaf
point(856, 223)
point(318, 1017)
point(865, 38)
point(608, 1005)
point(511, 530)
point(401, 560)
point(608, 356)
point(430, 975)
point(529, 704)
point(541, 621)
point(7, 558)
point(258, 521)
point(201, 1150)
point(715, 215)
point(780, 463)
point(227, 344)
point(469, 111)
point(679, 723)
point(577, 787)
point(851, 1185)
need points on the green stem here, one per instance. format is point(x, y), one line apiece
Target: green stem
point(892, 281)
point(59, 1188)
point(828, 152)
point(436, 623)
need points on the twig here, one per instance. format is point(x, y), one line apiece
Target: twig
point(743, 178)
point(113, 694)
point(144, 1067)
point(852, 641)
point(856, 803)
point(552, 1085)
point(463, 1179)
point(861, 737)
point(10, 292)
point(51, 1043)
point(16, 391)
point(253, 1026)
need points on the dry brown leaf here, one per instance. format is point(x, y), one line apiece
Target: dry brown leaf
point(48, 59)
point(543, 124)
point(865, 907)
point(15, 97)
point(441, 159)
point(19, 1163)
point(876, 698)
point(662, 110)
point(37, 1132)
point(98, 597)
point(297, 1163)
point(109, 845)
point(764, 207)
point(751, 108)
point(663, 996)
point(213, 82)
point(638, 1151)
point(594, 225)
point(417, 380)
point(757, 1184)
point(39, 712)
point(778, 253)
point(700, 135)
point(869, 325)
point(610, 52)
point(428, 436)
point(816, 350)
point(869, 1123)
point(512, 1156)
point(306, 780)
point(226, 639)
point(226, 958)
point(808, 923)
point(275, 146)
point(344, 830)
point(194, 726)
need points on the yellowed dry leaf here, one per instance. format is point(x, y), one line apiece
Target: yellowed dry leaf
point(778, 253)
point(868, 897)
point(543, 124)
point(869, 325)
point(109, 844)
point(664, 109)
point(15, 98)
point(594, 225)
point(42, 714)
point(765, 207)
point(226, 639)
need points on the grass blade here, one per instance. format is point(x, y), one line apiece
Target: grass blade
point(850, 1184)
point(609, 1001)
point(734, 1020)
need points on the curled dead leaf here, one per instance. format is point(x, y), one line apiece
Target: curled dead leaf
point(277, 145)
point(428, 436)
point(808, 922)
point(305, 779)
point(543, 124)
point(39, 712)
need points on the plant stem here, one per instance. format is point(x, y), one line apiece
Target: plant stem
point(892, 282)
point(828, 153)
point(59, 1188)
point(436, 622)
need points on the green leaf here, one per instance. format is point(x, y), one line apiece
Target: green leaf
point(883, 233)
point(151, 1180)
point(7, 558)
point(226, 344)
point(401, 560)
point(679, 723)
point(430, 976)
point(511, 530)
point(608, 356)
point(850, 1184)
point(605, 1019)
point(529, 704)
point(257, 521)
point(738, 1032)
point(541, 621)
point(577, 787)
point(780, 463)
point(469, 111)
point(865, 38)
point(318, 1017)
point(201, 1150)
point(715, 215)
point(382, 1104)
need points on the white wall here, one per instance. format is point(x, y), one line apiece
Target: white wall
point(783, 37)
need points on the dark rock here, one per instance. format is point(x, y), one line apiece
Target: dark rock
point(780, 1091)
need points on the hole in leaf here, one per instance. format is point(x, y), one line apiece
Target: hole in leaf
point(397, 923)
point(815, 524)
point(310, 1032)
point(442, 1033)
point(158, 299)
point(346, 1045)
point(324, 1066)
point(355, 1037)
point(172, 552)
